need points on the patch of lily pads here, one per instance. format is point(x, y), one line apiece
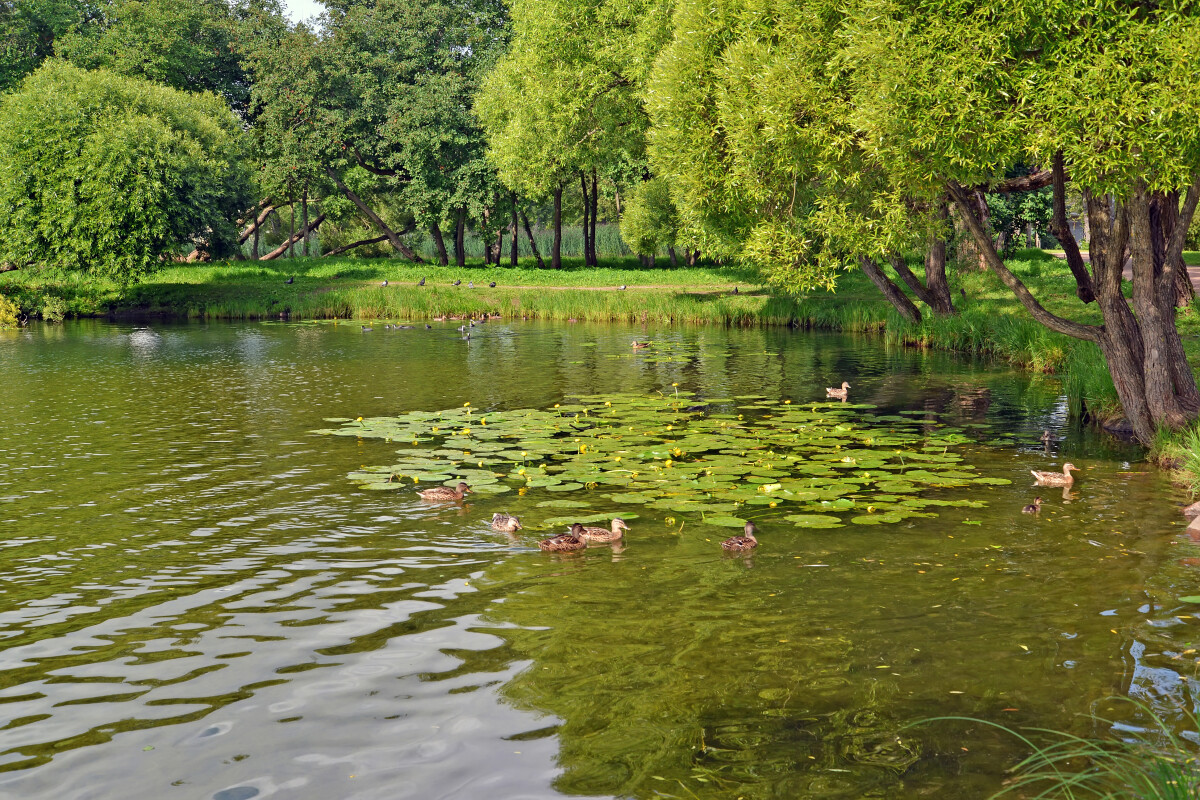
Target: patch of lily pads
point(817, 465)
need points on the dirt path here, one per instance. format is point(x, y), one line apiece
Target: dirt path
point(1127, 274)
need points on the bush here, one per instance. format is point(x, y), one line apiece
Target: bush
point(54, 309)
point(120, 174)
point(10, 313)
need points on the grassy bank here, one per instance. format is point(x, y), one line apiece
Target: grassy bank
point(990, 320)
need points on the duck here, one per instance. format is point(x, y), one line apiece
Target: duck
point(639, 345)
point(605, 534)
point(505, 522)
point(565, 542)
point(444, 493)
point(1046, 437)
point(843, 392)
point(740, 544)
point(442, 318)
point(1054, 478)
point(1033, 507)
point(367, 328)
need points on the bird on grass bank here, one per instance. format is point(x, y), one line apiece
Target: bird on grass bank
point(443, 494)
point(421, 282)
point(1033, 507)
point(290, 280)
point(1054, 478)
point(841, 393)
point(621, 288)
point(735, 290)
point(740, 544)
point(565, 542)
point(457, 282)
point(639, 345)
point(384, 283)
point(505, 522)
point(470, 284)
point(492, 285)
point(605, 534)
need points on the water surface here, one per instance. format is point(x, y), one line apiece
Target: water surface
point(195, 602)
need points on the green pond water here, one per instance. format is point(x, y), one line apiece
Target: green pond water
point(202, 595)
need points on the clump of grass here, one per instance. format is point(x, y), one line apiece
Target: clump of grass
point(1152, 763)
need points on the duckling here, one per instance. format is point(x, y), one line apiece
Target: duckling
point(639, 345)
point(739, 544)
point(367, 328)
point(444, 493)
point(565, 542)
point(1055, 479)
point(505, 522)
point(1046, 437)
point(1033, 507)
point(604, 534)
point(842, 393)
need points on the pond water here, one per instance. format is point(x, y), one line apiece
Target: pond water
point(196, 600)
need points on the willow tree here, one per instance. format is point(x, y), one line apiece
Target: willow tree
point(120, 175)
point(1106, 94)
point(566, 102)
point(753, 126)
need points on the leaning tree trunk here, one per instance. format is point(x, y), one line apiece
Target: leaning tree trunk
point(1061, 229)
point(393, 237)
point(890, 290)
point(435, 231)
point(532, 242)
point(556, 252)
point(295, 237)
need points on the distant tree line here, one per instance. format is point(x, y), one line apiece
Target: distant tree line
point(805, 137)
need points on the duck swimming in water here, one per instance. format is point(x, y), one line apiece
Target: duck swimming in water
point(565, 542)
point(639, 345)
point(605, 534)
point(1054, 478)
point(445, 493)
point(740, 544)
point(505, 522)
point(1033, 507)
point(841, 393)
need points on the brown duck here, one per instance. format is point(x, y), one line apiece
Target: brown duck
point(565, 542)
point(1054, 478)
point(739, 544)
point(841, 393)
point(605, 534)
point(639, 345)
point(505, 522)
point(1033, 507)
point(444, 493)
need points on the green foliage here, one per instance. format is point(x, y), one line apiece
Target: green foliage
point(650, 222)
point(28, 31)
point(1011, 213)
point(187, 46)
point(119, 174)
point(10, 313)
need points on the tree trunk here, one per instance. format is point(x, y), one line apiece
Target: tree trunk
point(940, 305)
point(532, 244)
point(512, 259)
point(587, 210)
point(293, 238)
point(436, 232)
point(392, 236)
point(1144, 354)
point(254, 247)
point(291, 251)
point(304, 219)
point(890, 290)
point(935, 266)
point(595, 213)
point(359, 243)
point(556, 253)
point(1061, 229)
point(460, 236)
point(671, 253)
